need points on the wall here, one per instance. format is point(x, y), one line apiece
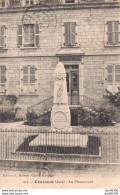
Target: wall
point(91, 38)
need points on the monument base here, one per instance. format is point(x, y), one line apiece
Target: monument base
point(59, 139)
point(60, 118)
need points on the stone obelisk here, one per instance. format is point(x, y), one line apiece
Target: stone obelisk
point(60, 114)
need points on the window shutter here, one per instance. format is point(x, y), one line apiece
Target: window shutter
point(25, 75)
point(117, 74)
point(110, 35)
point(31, 2)
point(3, 74)
point(67, 33)
point(72, 33)
point(117, 79)
point(2, 78)
point(2, 36)
point(32, 74)
point(29, 81)
point(116, 32)
point(32, 35)
point(25, 80)
point(117, 69)
point(33, 79)
point(19, 35)
point(110, 69)
point(113, 32)
point(110, 74)
point(36, 35)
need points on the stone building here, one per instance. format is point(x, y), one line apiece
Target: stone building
point(34, 35)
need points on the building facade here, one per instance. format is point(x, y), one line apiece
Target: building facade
point(34, 35)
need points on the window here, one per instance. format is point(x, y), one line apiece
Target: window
point(3, 3)
point(29, 80)
point(2, 79)
point(15, 3)
point(113, 77)
point(69, 1)
point(28, 35)
point(2, 36)
point(71, 77)
point(70, 34)
point(113, 32)
point(29, 2)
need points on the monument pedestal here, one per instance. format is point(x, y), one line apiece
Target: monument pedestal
point(60, 118)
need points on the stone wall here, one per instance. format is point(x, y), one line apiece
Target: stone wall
point(91, 24)
point(95, 81)
point(91, 38)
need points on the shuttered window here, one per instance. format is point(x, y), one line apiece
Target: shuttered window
point(2, 78)
point(117, 74)
point(32, 74)
point(113, 32)
point(29, 2)
point(2, 36)
point(28, 35)
point(15, 3)
point(113, 74)
point(110, 73)
point(3, 3)
point(70, 33)
point(20, 35)
point(36, 32)
point(29, 79)
point(25, 75)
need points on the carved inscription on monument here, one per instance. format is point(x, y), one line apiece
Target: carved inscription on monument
point(60, 120)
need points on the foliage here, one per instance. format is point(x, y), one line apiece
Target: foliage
point(12, 98)
point(36, 120)
point(7, 115)
point(31, 116)
point(114, 99)
point(103, 116)
point(106, 115)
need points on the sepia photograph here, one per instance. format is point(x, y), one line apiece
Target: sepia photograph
point(59, 94)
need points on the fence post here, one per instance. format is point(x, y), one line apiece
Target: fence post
point(46, 146)
point(6, 149)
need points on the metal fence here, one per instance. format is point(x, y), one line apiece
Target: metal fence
point(91, 147)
